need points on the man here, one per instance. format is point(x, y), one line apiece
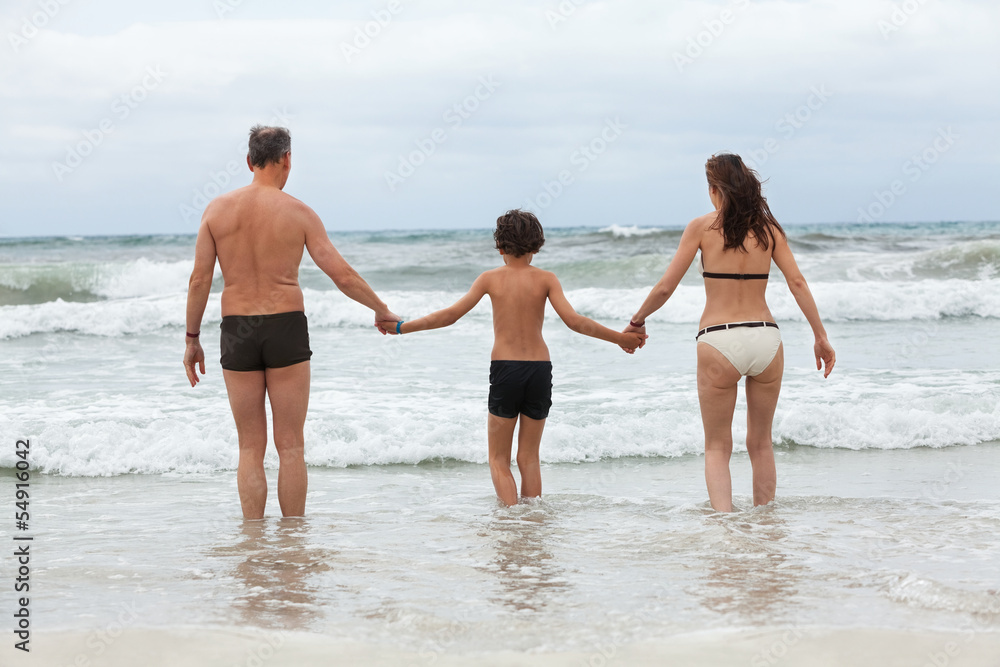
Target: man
point(258, 233)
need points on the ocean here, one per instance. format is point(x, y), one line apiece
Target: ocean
point(884, 539)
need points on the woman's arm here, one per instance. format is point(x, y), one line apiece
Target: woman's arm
point(664, 288)
point(444, 317)
point(785, 261)
point(586, 326)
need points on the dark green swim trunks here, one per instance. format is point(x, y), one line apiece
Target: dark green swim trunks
point(256, 342)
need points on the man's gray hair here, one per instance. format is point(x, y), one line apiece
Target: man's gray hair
point(268, 144)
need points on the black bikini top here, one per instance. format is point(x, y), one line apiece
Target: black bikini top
point(731, 276)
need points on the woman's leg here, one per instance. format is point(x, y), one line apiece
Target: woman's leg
point(762, 397)
point(717, 382)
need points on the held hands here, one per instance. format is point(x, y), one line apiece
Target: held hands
point(387, 326)
point(385, 322)
point(193, 354)
point(633, 338)
point(824, 355)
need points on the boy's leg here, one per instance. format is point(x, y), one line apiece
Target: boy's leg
point(501, 437)
point(529, 436)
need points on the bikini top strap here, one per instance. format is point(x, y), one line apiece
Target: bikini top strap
point(730, 276)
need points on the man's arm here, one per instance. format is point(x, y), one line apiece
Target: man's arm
point(446, 316)
point(344, 276)
point(199, 288)
point(586, 326)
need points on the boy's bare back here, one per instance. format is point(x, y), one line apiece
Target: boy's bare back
point(518, 292)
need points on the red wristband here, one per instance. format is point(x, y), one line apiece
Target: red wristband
point(637, 326)
point(191, 335)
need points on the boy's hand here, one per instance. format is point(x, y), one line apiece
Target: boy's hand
point(387, 326)
point(632, 341)
point(637, 330)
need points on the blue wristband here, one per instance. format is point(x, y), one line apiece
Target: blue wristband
point(399, 325)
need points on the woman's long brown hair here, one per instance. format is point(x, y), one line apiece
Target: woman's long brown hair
point(744, 209)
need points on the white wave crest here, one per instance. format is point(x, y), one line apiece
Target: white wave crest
point(838, 302)
point(620, 232)
point(353, 423)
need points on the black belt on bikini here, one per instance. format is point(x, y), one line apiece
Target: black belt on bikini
point(723, 327)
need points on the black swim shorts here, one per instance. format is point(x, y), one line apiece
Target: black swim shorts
point(256, 342)
point(520, 387)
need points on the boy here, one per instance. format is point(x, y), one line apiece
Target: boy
point(520, 371)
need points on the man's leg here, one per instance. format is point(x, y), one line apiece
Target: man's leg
point(529, 437)
point(246, 398)
point(288, 391)
point(501, 437)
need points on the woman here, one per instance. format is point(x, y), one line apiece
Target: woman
point(738, 336)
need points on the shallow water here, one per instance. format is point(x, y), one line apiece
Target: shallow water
point(887, 513)
point(623, 551)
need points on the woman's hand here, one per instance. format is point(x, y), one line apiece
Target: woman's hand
point(633, 338)
point(642, 341)
point(824, 356)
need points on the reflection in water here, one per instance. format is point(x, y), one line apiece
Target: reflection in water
point(529, 576)
point(750, 574)
point(274, 563)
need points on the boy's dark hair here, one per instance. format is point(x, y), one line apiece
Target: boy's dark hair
point(519, 233)
point(268, 144)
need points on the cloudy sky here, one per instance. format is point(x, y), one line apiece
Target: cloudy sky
point(124, 117)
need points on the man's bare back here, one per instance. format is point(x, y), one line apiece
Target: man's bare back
point(259, 234)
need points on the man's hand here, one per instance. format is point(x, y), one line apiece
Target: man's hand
point(386, 317)
point(193, 354)
point(637, 330)
point(387, 326)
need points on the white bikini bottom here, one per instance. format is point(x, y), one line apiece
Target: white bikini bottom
point(750, 349)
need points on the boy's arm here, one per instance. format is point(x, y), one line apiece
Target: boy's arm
point(444, 317)
point(586, 326)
